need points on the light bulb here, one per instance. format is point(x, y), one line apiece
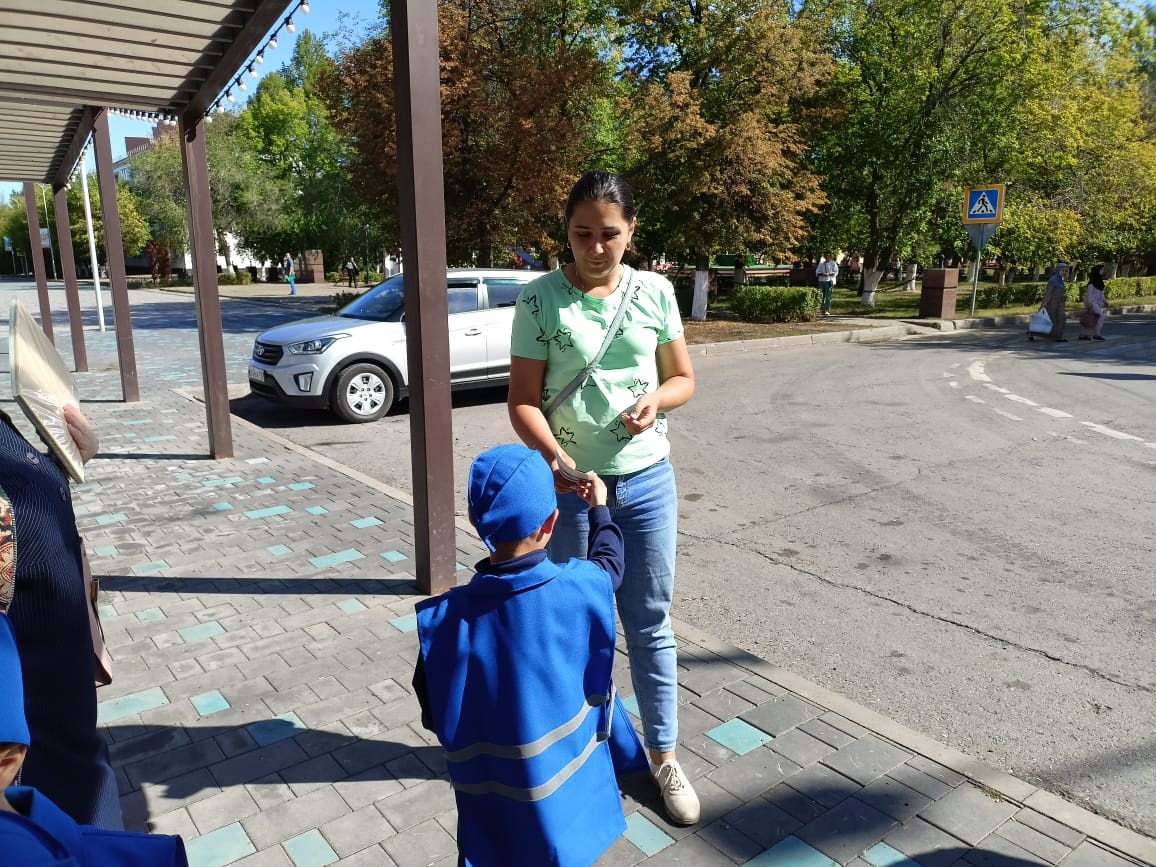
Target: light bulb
point(208, 118)
point(273, 41)
point(229, 96)
point(290, 26)
point(260, 58)
point(241, 85)
point(220, 108)
point(304, 7)
point(252, 71)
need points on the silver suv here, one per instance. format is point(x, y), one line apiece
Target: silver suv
point(354, 362)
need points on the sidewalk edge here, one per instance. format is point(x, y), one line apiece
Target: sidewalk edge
point(1096, 827)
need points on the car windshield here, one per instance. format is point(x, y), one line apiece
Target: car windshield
point(385, 302)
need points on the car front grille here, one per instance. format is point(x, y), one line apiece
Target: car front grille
point(267, 353)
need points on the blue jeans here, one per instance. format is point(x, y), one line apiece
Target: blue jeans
point(645, 506)
point(827, 287)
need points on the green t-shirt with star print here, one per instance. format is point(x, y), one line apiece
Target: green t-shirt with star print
point(556, 323)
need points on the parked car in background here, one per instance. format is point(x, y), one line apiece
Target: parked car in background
point(354, 362)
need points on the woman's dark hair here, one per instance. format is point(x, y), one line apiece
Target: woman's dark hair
point(1096, 278)
point(601, 187)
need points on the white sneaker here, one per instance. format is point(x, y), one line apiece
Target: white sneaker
point(677, 795)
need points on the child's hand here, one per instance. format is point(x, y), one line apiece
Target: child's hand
point(81, 432)
point(593, 490)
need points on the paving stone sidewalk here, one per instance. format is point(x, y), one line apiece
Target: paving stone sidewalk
point(259, 611)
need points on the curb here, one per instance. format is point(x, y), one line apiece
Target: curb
point(864, 334)
point(1018, 319)
point(1129, 843)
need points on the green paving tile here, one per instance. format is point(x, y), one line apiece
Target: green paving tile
point(351, 606)
point(317, 510)
point(738, 736)
point(110, 519)
point(362, 523)
point(631, 704)
point(269, 731)
point(222, 507)
point(882, 855)
point(183, 477)
point(150, 615)
point(279, 550)
point(106, 611)
point(106, 551)
point(268, 513)
point(201, 631)
point(159, 439)
point(791, 852)
point(310, 850)
point(266, 480)
point(335, 559)
point(644, 834)
point(209, 703)
point(220, 847)
point(137, 421)
point(393, 556)
point(408, 623)
point(462, 566)
point(301, 486)
point(150, 568)
point(128, 705)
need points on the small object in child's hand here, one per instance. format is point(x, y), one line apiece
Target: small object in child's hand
point(568, 472)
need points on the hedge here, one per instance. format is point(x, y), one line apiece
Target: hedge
point(774, 304)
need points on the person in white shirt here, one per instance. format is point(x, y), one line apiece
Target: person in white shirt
point(827, 273)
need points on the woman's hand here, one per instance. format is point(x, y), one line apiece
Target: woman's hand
point(81, 432)
point(562, 483)
point(643, 416)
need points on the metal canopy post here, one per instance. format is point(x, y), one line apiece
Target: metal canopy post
point(114, 252)
point(194, 159)
point(68, 267)
point(37, 253)
point(417, 88)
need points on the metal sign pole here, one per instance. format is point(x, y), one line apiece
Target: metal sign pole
point(980, 234)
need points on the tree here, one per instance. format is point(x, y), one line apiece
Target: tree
point(287, 123)
point(722, 97)
point(928, 87)
point(524, 103)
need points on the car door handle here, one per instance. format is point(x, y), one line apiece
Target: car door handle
point(473, 332)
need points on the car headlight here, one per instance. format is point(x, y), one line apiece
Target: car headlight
point(313, 347)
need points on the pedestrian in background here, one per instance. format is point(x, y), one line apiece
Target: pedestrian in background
point(1095, 306)
point(598, 358)
point(827, 273)
point(290, 273)
point(351, 271)
point(1055, 302)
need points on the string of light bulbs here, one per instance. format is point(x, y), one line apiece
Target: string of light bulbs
point(250, 69)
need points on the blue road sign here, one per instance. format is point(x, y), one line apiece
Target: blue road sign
point(983, 204)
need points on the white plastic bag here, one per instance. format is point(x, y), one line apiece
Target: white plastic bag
point(1040, 323)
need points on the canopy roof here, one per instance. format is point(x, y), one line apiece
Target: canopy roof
point(61, 61)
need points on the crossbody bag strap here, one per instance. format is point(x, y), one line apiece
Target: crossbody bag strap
point(580, 379)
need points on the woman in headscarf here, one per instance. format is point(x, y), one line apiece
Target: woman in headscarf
point(1055, 299)
point(1095, 304)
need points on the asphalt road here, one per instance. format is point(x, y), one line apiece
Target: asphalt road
point(956, 531)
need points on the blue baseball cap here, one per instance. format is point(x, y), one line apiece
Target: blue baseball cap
point(13, 725)
point(511, 493)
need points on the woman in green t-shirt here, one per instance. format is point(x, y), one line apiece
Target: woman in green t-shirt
point(610, 418)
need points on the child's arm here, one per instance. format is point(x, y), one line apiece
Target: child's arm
point(606, 548)
point(421, 690)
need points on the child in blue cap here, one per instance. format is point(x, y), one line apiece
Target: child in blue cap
point(514, 677)
point(34, 832)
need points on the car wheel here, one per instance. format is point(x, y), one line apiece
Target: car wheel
point(361, 392)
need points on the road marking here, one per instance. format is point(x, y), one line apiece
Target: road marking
point(954, 384)
point(1019, 399)
point(975, 369)
point(975, 399)
point(1109, 432)
point(1054, 413)
point(1005, 414)
point(994, 387)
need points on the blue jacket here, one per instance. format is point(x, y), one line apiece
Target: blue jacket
point(40, 834)
point(517, 668)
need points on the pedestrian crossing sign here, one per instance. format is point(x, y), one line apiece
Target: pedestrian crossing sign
point(983, 204)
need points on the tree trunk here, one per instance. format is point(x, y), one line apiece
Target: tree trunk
point(701, 288)
point(909, 272)
point(1111, 269)
point(740, 278)
point(871, 278)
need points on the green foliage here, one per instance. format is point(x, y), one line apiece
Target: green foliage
point(771, 304)
point(1129, 287)
point(240, 278)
